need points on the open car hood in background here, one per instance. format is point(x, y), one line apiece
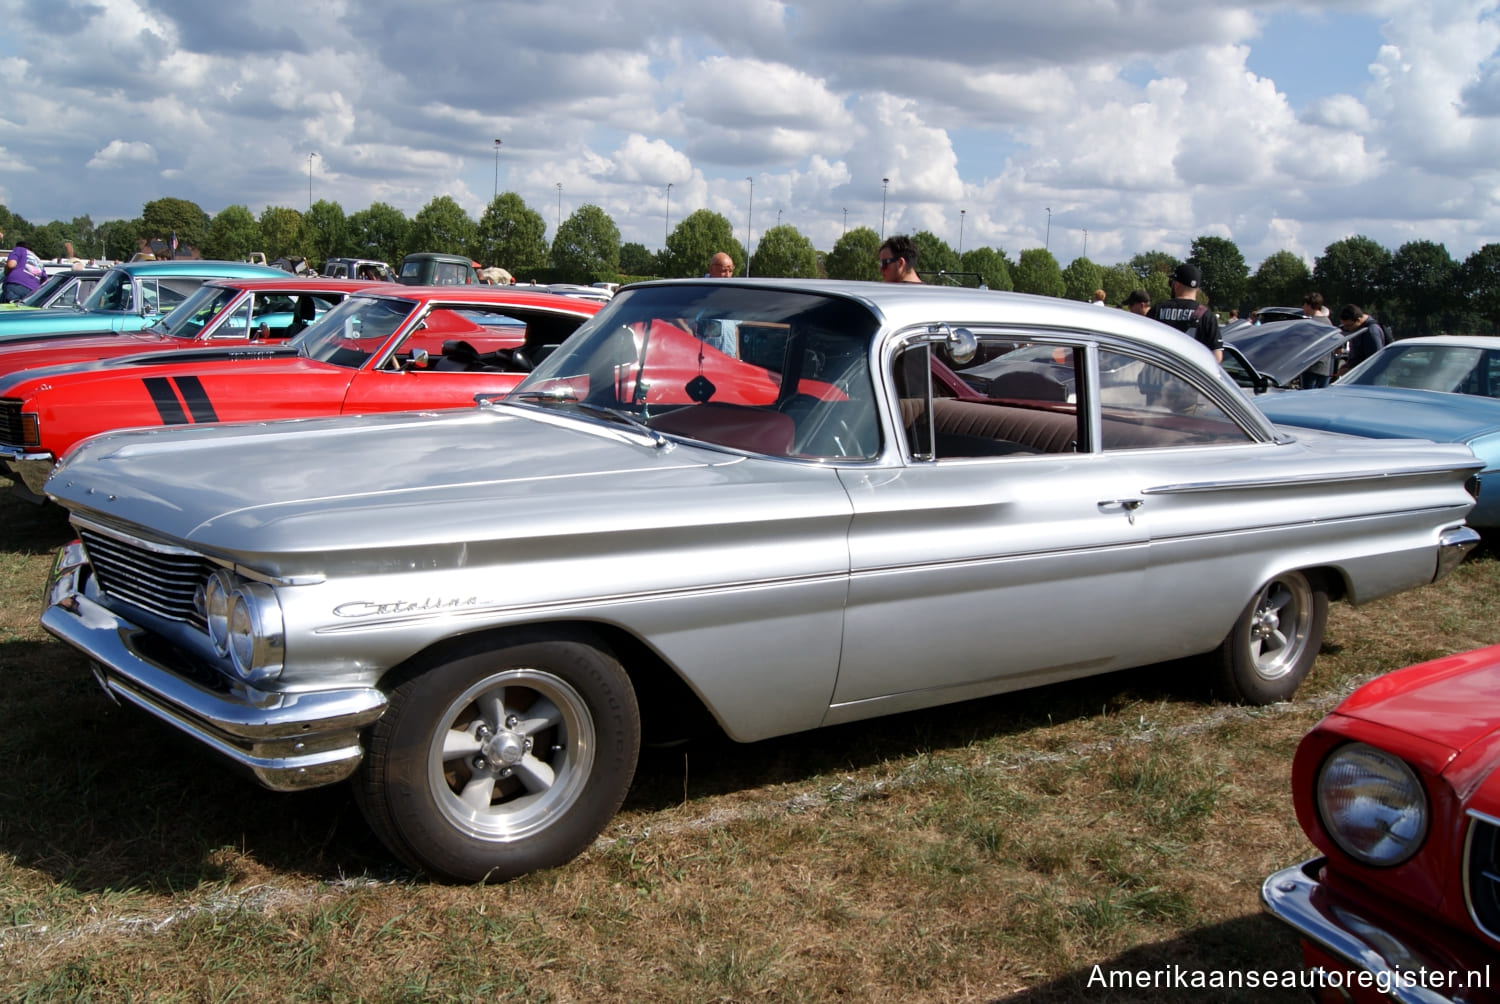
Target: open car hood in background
point(1282, 350)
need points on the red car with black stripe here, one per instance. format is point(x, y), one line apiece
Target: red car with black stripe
point(218, 313)
point(388, 348)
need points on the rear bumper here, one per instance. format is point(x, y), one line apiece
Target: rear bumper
point(286, 741)
point(1453, 547)
point(1380, 961)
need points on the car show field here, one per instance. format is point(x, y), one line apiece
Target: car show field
point(996, 850)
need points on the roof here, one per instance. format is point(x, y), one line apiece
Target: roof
point(477, 294)
point(910, 304)
point(296, 283)
point(198, 266)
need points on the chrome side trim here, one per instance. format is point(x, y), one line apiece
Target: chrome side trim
point(287, 742)
point(1304, 480)
point(1291, 895)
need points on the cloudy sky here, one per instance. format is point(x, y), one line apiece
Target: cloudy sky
point(1139, 124)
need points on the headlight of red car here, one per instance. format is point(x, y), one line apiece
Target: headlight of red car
point(1372, 804)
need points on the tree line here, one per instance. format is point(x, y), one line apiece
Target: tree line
point(1416, 289)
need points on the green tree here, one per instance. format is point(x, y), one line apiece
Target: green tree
point(1149, 263)
point(1481, 284)
point(636, 260)
point(992, 265)
point(119, 238)
point(511, 235)
point(1352, 270)
point(698, 237)
point(1422, 280)
point(379, 232)
point(13, 228)
point(281, 230)
point(853, 256)
point(47, 240)
point(1037, 271)
point(1282, 280)
point(1081, 278)
point(587, 246)
point(85, 238)
point(441, 226)
point(1224, 270)
point(1119, 282)
point(933, 253)
point(325, 232)
point(232, 235)
point(161, 218)
point(784, 252)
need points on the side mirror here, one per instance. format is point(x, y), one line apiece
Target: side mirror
point(959, 345)
point(419, 360)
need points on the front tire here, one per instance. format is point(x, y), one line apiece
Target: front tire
point(499, 763)
point(1274, 642)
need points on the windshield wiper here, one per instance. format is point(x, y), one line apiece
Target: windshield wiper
point(597, 410)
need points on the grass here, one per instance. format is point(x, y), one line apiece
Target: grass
point(992, 851)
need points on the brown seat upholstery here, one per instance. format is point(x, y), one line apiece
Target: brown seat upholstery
point(754, 430)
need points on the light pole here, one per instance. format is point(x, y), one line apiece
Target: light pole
point(778, 217)
point(885, 183)
point(309, 178)
point(1085, 243)
point(846, 221)
point(749, 215)
point(559, 208)
point(497, 171)
point(1047, 244)
point(961, 232)
point(666, 222)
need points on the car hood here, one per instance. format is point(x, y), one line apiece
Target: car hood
point(1386, 412)
point(82, 341)
point(1448, 701)
point(1283, 350)
point(286, 494)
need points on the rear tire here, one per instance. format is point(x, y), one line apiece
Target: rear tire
point(500, 763)
point(1274, 642)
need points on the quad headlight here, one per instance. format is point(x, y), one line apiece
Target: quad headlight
point(244, 623)
point(1372, 804)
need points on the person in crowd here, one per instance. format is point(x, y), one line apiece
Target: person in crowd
point(720, 266)
point(1366, 336)
point(1186, 314)
point(1234, 314)
point(1319, 373)
point(23, 274)
point(898, 260)
point(1098, 298)
point(1138, 302)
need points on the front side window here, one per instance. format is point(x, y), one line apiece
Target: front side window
point(777, 373)
point(352, 332)
point(114, 292)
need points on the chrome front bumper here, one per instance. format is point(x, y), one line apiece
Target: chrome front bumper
point(287, 742)
point(1295, 896)
point(31, 468)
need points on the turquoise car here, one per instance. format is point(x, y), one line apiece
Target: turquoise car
point(128, 298)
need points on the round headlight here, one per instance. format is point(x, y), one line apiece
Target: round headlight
point(216, 608)
point(1372, 804)
point(256, 639)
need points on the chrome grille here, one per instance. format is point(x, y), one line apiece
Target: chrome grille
point(10, 424)
point(161, 582)
point(1482, 873)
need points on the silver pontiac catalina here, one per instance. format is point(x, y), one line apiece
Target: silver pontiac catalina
point(776, 501)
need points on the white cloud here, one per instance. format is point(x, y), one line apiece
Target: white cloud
point(120, 153)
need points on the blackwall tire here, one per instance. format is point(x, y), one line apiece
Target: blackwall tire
point(500, 763)
point(1274, 642)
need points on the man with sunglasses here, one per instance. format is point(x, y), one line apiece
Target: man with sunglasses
point(898, 260)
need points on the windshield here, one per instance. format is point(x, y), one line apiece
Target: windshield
point(192, 315)
point(114, 292)
point(1453, 369)
point(352, 332)
point(761, 370)
point(45, 290)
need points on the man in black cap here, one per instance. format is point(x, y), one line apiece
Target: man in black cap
point(1186, 314)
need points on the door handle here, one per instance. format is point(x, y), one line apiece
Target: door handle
point(1129, 506)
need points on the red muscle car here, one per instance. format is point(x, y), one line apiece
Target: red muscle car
point(224, 311)
point(391, 348)
point(1399, 788)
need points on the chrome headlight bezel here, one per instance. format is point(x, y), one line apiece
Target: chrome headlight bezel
point(257, 634)
point(216, 592)
point(1373, 805)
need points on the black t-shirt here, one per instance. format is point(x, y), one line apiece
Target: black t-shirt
point(1191, 317)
